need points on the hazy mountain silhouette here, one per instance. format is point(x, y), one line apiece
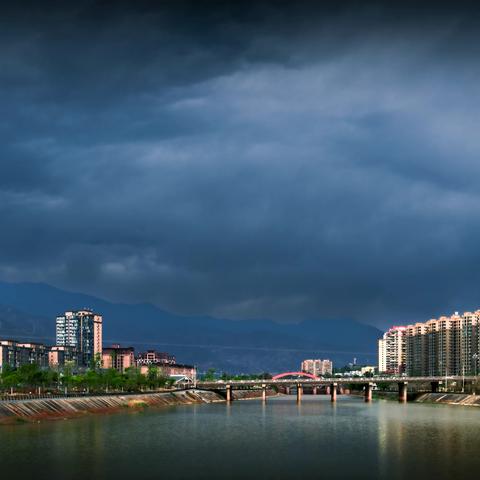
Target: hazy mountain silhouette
point(28, 310)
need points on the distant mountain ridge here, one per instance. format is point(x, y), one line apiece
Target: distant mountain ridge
point(234, 346)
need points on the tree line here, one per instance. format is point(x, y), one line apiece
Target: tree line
point(212, 375)
point(93, 380)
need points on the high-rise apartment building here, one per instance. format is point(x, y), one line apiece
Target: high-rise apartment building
point(317, 367)
point(416, 349)
point(444, 346)
point(438, 347)
point(382, 356)
point(391, 351)
point(82, 330)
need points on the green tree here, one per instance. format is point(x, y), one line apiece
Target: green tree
point(30, 375)
point(9, 378)
point(96, 362)
point(209, 375)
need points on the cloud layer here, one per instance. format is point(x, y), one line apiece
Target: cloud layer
point(266, 160)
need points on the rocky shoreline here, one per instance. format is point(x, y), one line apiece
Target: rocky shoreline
point(35, 410)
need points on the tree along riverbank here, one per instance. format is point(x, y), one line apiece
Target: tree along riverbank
point(34, 410)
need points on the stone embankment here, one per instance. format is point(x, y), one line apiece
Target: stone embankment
point(251, 394)
point(36, 409)
point(440, 398)
point(43, 409)
point(449, 398)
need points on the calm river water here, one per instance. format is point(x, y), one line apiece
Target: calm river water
point(249, 440)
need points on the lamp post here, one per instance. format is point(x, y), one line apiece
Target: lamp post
point(475, 361)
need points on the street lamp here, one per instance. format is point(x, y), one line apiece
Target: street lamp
point(475, 360)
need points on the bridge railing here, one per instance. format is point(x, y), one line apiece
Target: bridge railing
point(326, 381)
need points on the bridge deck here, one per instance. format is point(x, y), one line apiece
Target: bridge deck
point(328, 381)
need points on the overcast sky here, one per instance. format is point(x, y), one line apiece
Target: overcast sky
point(253, 160)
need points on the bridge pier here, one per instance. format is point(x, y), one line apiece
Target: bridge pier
point(264, 393)
point(287, 390)
point(299, 393)
point(368, 392)
point(229, 393)
point(402, 391)
point(333, 392)
point(314, 391)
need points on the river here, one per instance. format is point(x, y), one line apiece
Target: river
point(349, 439)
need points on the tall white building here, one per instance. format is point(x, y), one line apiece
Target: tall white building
point(391, 351)
point(382, 356)
point(82, 330)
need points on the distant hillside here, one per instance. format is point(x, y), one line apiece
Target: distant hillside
point(29, 309)
point(17, 324)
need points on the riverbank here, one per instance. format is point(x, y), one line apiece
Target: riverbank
point(440, 398)
point(35, 410)
point(251, 394)
point(464, 399)
point(62, 408)
point(449, 398)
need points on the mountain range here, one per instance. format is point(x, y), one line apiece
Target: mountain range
point(28, 311)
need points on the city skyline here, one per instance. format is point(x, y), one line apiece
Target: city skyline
point(80, 347)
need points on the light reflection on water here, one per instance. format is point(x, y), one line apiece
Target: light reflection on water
point(279, 439)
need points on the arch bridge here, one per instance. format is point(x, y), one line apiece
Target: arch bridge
point(295, 375)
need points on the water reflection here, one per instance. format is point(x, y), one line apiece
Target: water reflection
point(277, 439)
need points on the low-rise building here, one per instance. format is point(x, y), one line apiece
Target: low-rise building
point(317, 367)
point(171, 370)
point(368, 369)
point(59, 356)
point(117, 357)
point(15, 354)
point(153, 357)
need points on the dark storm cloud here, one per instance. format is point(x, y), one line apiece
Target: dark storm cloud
point(245, 159)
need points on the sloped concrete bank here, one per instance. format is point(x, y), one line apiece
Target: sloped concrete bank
point(62, 408)
point(440, 398)
point(449, 398)
point(251, 394)
point(59, 408)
